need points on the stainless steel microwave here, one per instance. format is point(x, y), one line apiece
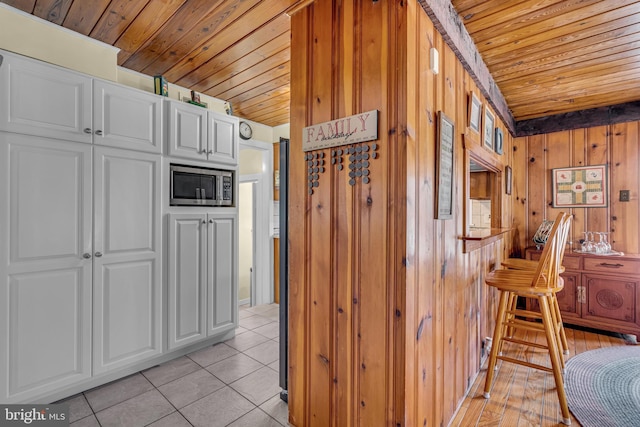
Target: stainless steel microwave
point(197, 186)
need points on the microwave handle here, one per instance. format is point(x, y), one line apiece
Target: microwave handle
point(197, 193)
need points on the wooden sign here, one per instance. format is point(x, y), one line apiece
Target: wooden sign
point(348, 130)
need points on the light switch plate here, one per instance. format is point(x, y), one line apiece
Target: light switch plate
point(624, 195)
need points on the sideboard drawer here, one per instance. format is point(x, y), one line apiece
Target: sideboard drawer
point(612, 265)
point(569, 262)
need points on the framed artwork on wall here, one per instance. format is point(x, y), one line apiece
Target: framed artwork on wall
point(580, 187)
point(488, 127)
point(474, 112)
point(498, 141)
point(444, 167)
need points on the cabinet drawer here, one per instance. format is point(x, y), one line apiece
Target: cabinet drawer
point(570, 262)
point(615, 266)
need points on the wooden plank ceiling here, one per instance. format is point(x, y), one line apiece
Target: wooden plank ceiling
point(557, 56)
point(546, 56)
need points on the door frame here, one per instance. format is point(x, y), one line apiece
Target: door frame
point(262, 291)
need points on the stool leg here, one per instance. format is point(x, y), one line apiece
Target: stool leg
point(556, 328)
point(497, 341)
point(563, 335)
point(513, 304)
point(556, 365)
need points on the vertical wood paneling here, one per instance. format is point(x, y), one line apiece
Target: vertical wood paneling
point(384, 287)
point(617, 146)
point(625, 175)
point(298, 324)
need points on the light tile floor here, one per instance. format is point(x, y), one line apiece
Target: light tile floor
point(234, 383)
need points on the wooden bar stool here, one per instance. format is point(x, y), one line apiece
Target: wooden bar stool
point(541, 284)
point(530, 265)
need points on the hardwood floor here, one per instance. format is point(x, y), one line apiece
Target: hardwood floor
point(523, 396)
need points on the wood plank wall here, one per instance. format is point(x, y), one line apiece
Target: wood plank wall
point(387, 314)
point(617, 146)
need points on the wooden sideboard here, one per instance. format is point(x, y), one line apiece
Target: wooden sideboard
point(601, 292)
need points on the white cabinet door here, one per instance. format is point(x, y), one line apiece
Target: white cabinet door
point(222, 277)
point(187, 279)
point(126, 118)
point(187, 131)
point(45, 282)
point(127, 322)
point(42, 99)
point(222, 139)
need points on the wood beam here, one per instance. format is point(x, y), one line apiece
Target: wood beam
point(619, 113)
point(448, 23)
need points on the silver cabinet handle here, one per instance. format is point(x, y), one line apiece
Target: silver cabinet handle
point(204, 221)
point(210, 221)
point(99, 132)
point(210, 152)
point(203, 151)
point(86, 255)
point(87, 130)
point(98, 254)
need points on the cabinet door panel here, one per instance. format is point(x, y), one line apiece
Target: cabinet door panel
point(223, 142)
point(126, 316)
point(42, 99)
point(222, 290)
point(187, 279)
point(49, 330)
point(567, 297)
point(45, 282)
point(127, 118)
point(187, 131)
point(611, 298)
point(127, 253)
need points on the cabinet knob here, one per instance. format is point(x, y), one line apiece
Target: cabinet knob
point(210, 152)
point(204, 221)
point(98, 254)
point(210, 221)
point(87, 130)
point(99, 132)
point(86, 255)
point(203, 151)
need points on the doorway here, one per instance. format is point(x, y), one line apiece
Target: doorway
point(246, 246)
point(255, 222)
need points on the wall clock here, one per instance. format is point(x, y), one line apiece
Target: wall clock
point(245, 130)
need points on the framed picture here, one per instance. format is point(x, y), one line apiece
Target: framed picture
point(580, 187)
point(488, 128)
point(498, 141)
point(475, 109)
point(508, 179)
point(444, 167)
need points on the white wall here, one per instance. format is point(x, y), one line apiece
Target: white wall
point(34, 37)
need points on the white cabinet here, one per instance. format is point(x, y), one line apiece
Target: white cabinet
point(81, 285)
point(195, 133)
point(202, 277)
point(46, 100)
point(126, 118)
point(127, 314)
point(222, 138)
point(45, 291)
point(41, 99)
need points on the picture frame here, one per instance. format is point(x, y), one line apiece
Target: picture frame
point(508, 180)
point(499, 139)
point(445, 167)
point(488, 128)
point(580, 187)
point(474, 112)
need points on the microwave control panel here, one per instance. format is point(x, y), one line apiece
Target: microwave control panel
point(227, 188)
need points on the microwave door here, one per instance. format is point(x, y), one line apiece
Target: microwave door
point(207, 189)
point(186, 187)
